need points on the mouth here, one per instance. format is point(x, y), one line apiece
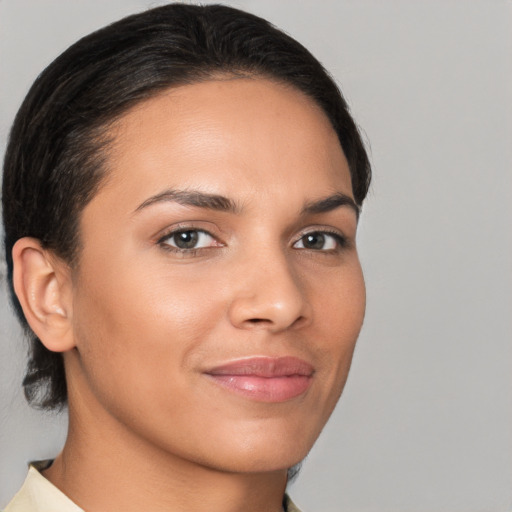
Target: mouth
point(265, 379)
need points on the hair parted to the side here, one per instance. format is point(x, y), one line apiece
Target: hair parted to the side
point(58, 144)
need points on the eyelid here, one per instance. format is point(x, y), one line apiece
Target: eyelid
point(341, 239)
point(192, 225)
point(164, 235)
point(202, 234)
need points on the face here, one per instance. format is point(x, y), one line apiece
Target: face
point(219, 294)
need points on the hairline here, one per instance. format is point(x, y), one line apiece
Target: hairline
point(104, 134)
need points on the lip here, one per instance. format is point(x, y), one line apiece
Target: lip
point(265, 379)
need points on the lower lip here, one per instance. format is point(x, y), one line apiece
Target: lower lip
point(265, 389)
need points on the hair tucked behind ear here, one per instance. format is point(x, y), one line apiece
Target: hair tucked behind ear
point(55, 157)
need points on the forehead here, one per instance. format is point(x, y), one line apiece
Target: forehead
point(226, 136)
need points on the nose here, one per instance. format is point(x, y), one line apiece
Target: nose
point(269, 295)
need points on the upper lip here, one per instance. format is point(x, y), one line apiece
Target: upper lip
point(264, 367)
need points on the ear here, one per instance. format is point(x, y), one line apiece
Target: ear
point(42, 283)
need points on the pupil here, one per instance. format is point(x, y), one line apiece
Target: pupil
point(314, 241)
point(186, 239)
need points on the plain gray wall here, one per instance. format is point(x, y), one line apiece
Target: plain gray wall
point(425, 422)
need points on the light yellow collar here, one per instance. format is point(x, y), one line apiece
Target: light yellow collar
point(38, 494)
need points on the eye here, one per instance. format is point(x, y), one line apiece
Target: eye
point(188, 239)
point(320, 241)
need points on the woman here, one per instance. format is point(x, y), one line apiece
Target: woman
point(181, 194)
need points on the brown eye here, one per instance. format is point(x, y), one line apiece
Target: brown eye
point(320, 241)
point(188, 239)
point(185, 239)
point(313, 241)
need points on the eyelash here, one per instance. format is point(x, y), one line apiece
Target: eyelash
point(341, 241)
point(162, 241)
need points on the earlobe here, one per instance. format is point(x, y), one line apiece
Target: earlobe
point(42, 284)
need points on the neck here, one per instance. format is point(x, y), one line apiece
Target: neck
point(103, 466)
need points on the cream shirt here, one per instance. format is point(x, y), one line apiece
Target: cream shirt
point(38, 494)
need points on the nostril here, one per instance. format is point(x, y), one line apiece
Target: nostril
point(264, 321)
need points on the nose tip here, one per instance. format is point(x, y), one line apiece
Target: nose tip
point(271, 300)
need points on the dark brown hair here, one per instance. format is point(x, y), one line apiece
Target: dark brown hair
point(54, 159)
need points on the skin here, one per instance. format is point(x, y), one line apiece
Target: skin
point(141, 322)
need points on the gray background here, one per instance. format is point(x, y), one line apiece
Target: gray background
point(425, 423)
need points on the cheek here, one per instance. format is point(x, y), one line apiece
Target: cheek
point(143, 299)
point(339, 301)
point(137, 327)
point(339, 315)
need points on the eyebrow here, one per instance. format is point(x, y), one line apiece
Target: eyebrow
point(330, 203)
point(193, 198)
point(220, 203)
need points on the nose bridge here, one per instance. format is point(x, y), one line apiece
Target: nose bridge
point(269, 292)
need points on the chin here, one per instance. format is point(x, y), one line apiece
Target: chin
point(269, 453)
point(256, 463)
